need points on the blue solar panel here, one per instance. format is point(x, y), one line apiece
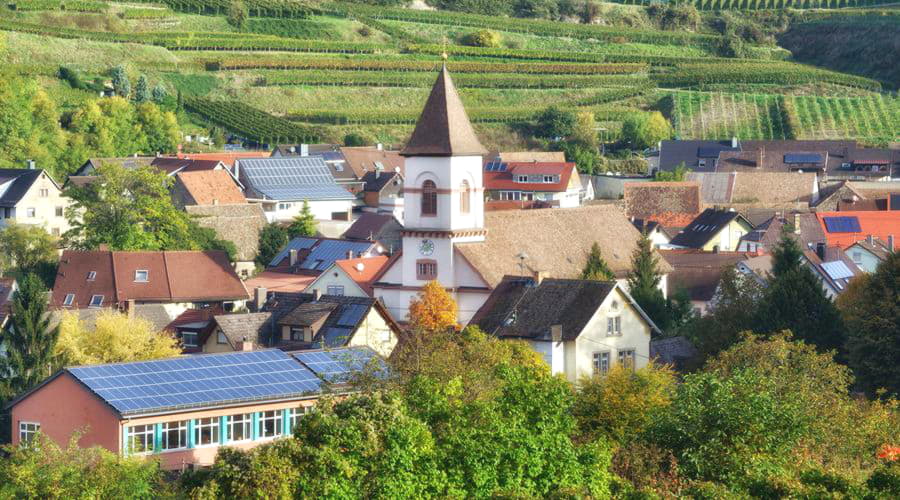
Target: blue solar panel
point(352, 314)
point(328, 251)
point(495, 166)
point(336, 336)
point(842, 225)
point(300, 243)
point(338, 364)
point(803, 158)
point(894, 202)
point(198, 381)
point(291, 179)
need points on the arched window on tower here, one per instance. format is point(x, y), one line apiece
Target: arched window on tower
point(429, 198)
point(465, 195)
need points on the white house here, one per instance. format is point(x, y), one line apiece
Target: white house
point(349, 277)
point(580, 327)
point(282, 185)
point(31, 196)
point(555, 184)
point(867, 254)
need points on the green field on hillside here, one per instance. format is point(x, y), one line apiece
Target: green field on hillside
point(325, 68)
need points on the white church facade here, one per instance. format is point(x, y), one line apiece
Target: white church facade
point(448, 237)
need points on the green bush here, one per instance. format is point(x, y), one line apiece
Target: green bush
point(886, 480)
point(481, 38)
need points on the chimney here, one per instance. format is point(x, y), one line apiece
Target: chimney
point(556, 333)
point(761, 155)
point(820, 251)
point(304, 150)
point(246, 345)
point(379, 147)
point(293, 257)
point(30, 164)
point(734, 142)
point(129, 308)
point(317, 295)
point(349, 254)
point(259, 297)
point(796, 223)
point(870, 239)
point(539, 277)
point(215, 201)
point(890, 242)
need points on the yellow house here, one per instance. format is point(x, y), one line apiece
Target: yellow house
point(31, 196)
point(713, 230)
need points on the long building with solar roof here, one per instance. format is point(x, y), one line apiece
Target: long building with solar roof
point(181, 410)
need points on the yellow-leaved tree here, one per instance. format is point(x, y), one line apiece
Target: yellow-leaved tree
point(434, 310)
point(115, 338)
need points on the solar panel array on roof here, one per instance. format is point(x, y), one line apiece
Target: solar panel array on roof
point(842, 225)
point(351, 314)
point(299, 243)
point(837, 270)
point(802, 158)
point(712, 152)
point(336, 336)
point(337, 365)
point(894, 202)
point(198, 381)
point(326, 252)
point(496, 166)
point(295, 178)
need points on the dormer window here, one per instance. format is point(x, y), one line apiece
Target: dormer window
point(141, 276)
point(521, 178)
point(69, 300)
point(91, 275)
point(549, 179)
point(96, 301)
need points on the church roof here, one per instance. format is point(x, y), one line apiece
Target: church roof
point(443, 128)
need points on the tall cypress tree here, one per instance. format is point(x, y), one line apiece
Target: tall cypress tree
point(795, 300)
point(596, 268)
point(28, 340)
point(643, 283)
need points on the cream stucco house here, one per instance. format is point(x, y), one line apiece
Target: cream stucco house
point(579, 327)
point(31, 196)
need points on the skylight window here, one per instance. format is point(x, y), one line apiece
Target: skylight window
point(91, 275)
point(69, 300)
point(96, 301)
point(141, 276)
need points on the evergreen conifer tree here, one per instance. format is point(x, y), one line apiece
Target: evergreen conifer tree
point(29, 339)
point(643, 283)
point(120, 81)
point(142, 90)
point(159, 93)
point(303, 224)
point(596, 268)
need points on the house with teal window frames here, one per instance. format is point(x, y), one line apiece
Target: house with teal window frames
point(181, 410)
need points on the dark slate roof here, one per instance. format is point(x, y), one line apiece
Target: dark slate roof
point(375, 183)
point(519, 308)
point(254, 327)
point(346, 316)
point(443, 128)
point(703, 228)
point(672, 350)
point(308, 313)
point(368, 226)
point(14, 183)
point(673, 153)
point(289, 179)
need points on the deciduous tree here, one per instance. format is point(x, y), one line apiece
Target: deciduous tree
point(554, 122)
point(114, 338)
point(28, 249)
point(433, 310)
point(272, 239)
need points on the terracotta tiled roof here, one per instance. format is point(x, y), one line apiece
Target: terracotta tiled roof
point(443, 128)
point(210, 187)
point(363, 270)
point(172, 276)
point(171, 165)
point(274, 281)
point(505, 180)
point(881, 224)
point(669, 203)
point(520, 156)
point(556, 241)
point(363, 159)
point(773, 188)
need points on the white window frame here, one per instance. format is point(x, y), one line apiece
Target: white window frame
point(549, 179)
point(146, 430)
point(620, 356)
point(44, 192)
point(270, 416)
point(196, 336)
point(600, 365)
point(521, 178)
point(69, 299)
point(294, 416)
point(138, 273)
point(179, 426)
point(221, 338)
point(335, 290)
point(211, 424)
point(614, 326)
point(246, 425)
point(27, 430)
point(510, 195)
point(31, 212)
point(98, 304)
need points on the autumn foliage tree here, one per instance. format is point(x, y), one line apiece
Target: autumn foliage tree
point(433, 310)
point(114, 338)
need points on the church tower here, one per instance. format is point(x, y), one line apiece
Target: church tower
point(443, 189)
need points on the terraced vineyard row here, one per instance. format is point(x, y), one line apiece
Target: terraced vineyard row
point(250, 122)
point(770, 4)
point(703, 115)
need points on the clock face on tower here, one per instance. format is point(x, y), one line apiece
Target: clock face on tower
point(426, 247)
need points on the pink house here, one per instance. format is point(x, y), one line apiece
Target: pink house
point(181, 410)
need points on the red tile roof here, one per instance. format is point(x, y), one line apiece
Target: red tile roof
point(172, 276)
point(225, 157)
point(668, 203)
point(880, 224)
point(504, 180)
point(363, 270)
point(211, 187)
point(275, 281)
